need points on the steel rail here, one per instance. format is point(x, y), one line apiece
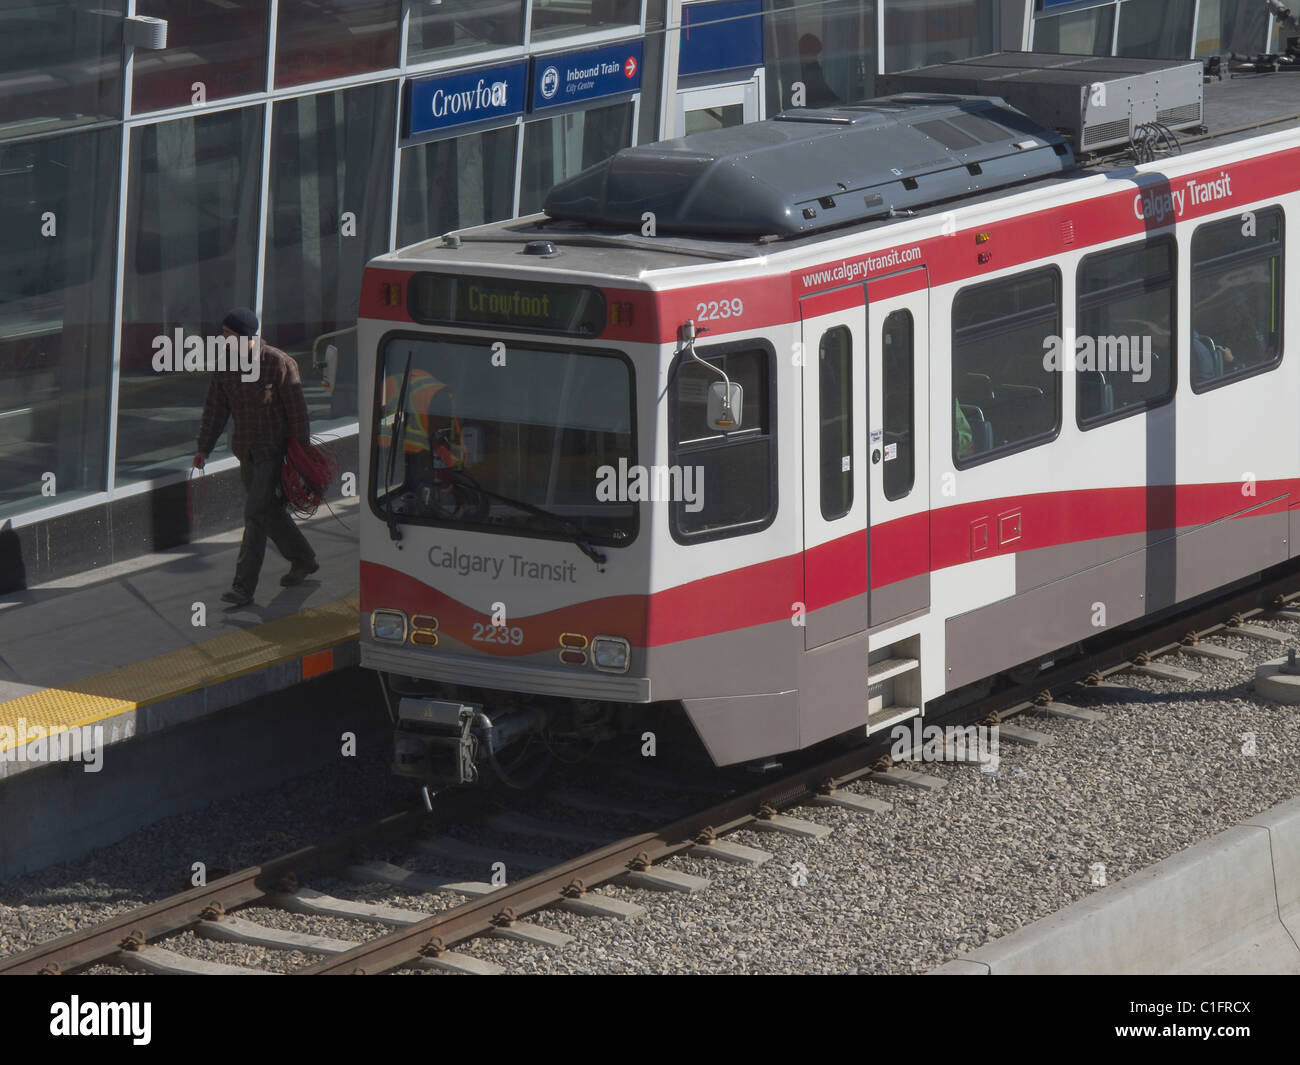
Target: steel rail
point(178, 912)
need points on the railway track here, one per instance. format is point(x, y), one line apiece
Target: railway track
point(415, 939)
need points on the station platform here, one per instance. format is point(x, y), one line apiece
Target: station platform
point(142, 645)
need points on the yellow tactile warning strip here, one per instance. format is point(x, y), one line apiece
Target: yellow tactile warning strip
point(177, 672)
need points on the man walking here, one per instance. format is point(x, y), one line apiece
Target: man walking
point(267, 410)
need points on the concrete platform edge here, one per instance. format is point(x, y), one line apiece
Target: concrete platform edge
point(1228, 904)
point(187, 705)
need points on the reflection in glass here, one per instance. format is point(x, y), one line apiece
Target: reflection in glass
point(191, 255)
point(735, 470)
point(1237, 297)
point(56, 309)
point(474, 453)
point(331, 185)
point(1006, 392)
point(1224, 26)
point(1126, 311)
point(222, 46)
point(706, 118)
point(60, 63)
point(557, 148)
point(454, 183)
point(921, 32)
point(456, 27)
point(1155, 29)
point(829, 49)
point(1078, 33)
point(559, 18)
point(321, 39)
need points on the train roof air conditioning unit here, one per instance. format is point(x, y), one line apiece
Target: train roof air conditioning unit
point(1096, 101)
point(813, 169)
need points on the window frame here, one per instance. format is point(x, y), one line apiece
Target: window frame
point(995, 453)
point(822, 414)
point(1085, 425)
point(525, 532)
point(884, 398)
point(760, 344)
point(1249, 256)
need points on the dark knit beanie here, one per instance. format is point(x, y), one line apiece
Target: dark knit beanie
point(241, 321)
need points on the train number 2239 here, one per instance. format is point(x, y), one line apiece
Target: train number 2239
point(485, 633)
point(714, 309)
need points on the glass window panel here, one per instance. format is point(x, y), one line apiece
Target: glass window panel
point(828, 48)
point(735, 471)
point(475, 454)
point(1224, 26)
point(559, 147)
point(454, 183)
point(321, 39)
point(1078, 33)
point(58, 199)
point(331, 184)
point(835, 398)
point(458, 27)
point(706, 118)
point(1155, 29)
point(899, 404)
point(1008, 396)
point(60, 63)
point(1126, 315)
point(652, 66)
point(1236, 298)
point(191, 255)
point(220, 45)
point(937, 31)
point(560, 18)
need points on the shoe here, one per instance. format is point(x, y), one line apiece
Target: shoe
point(237, 596)
point(300, 572)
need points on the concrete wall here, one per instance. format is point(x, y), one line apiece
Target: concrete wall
point(1228, 905)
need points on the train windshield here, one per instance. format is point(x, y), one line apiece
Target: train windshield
point(510, 437)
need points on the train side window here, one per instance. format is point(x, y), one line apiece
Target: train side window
point(835, 392)
point(1236, 298)
point(1124, 354)
point(899, 405)
point(1007, 393)
point(732, 476)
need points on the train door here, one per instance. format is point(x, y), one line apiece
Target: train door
point(898, 397)
point(834, 357)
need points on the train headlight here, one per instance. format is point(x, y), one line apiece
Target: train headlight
point(388, 625)
point(610, 654)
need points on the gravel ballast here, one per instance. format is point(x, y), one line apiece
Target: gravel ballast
point(901, 892)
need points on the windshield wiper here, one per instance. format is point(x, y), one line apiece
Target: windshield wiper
point(394, 446)
point(575, 534)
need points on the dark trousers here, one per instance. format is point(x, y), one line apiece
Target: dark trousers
point(265, 515)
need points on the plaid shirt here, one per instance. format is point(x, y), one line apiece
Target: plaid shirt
point(267, 411)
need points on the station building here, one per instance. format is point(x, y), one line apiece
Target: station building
point(259, 152)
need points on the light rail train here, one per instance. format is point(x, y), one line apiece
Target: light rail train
point(799, 427)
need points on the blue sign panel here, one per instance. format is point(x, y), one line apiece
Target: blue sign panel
point(469, 96)
point(720, 36)
point(576, 76)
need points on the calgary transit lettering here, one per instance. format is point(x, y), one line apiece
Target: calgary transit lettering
point(1157, 206)
point(491, 566)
